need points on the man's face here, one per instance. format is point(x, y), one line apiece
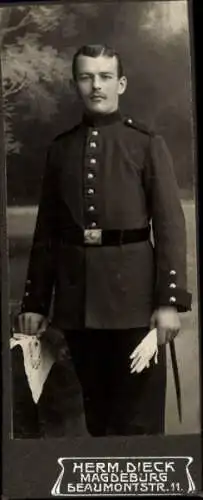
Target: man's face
point(97, 83)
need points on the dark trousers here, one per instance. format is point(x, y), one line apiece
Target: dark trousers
point(117, 402)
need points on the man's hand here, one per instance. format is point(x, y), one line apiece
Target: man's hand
point(167, 322)
point(32, 323)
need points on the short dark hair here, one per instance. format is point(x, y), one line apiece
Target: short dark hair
point(96, 51)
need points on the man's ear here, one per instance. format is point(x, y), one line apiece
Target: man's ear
point(122, 85)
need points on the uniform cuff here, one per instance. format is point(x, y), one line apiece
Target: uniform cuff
point(177, 297)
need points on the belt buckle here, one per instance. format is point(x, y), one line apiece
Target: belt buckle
point(93, 236)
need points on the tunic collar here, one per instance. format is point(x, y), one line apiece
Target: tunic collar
point(98, 119)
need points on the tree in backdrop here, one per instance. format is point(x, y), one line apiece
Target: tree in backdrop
point(34, 70)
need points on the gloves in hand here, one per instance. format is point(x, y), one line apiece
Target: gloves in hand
point(144, 352)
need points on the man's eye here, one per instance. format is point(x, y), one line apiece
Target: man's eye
point(84, 77)
point(106, 77)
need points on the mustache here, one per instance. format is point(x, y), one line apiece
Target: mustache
point(98, 94)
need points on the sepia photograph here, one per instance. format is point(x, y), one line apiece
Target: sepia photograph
point(99, 134)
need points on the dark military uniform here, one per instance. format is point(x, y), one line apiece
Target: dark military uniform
point(112, 174)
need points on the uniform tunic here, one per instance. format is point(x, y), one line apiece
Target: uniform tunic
point(110, 173)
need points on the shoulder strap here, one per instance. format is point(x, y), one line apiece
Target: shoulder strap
point(142, 127)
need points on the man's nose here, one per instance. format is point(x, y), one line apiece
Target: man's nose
point(96, 83)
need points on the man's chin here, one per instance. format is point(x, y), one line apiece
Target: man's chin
point(97, 107)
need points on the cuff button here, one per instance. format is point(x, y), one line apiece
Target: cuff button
point(172, 300)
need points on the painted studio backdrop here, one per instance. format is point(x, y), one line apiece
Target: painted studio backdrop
point(37, 47)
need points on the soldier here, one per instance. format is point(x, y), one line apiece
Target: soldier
point(108, 181)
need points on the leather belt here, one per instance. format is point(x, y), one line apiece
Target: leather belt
point(106, 237)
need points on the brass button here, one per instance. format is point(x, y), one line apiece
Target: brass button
point(26, 294)
point(90, 175)
point(90, 191)
point(129, 121)
point(91, 208)
point(93, 144)
point(172, 285)
point(95, 132)
point(172, 272)
point(93, 161)
point(93, 224)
